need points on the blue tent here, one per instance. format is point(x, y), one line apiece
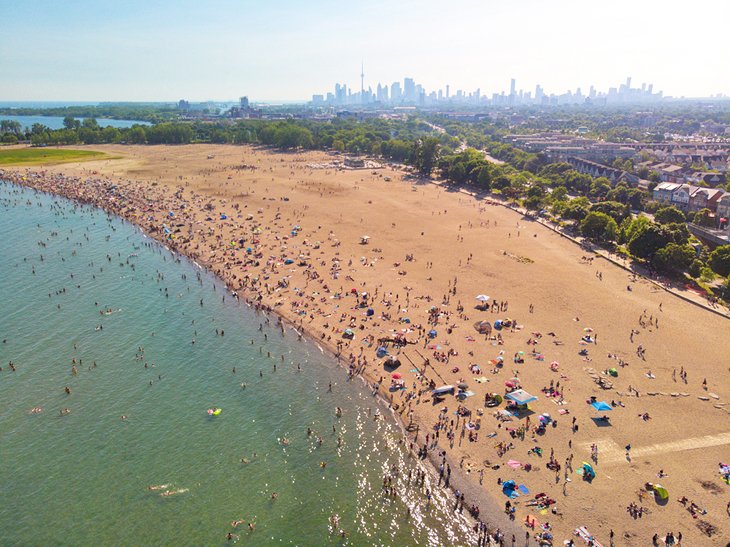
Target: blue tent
point(509, 489)
point(601, 406)
point(432, 333)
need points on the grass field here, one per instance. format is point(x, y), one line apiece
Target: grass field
point(39, 156)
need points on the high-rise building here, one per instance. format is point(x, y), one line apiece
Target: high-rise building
point(409, 90)
point(512, 86)
point(396, 93)
point(244, 102)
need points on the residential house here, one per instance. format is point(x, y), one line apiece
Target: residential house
point(680, 197)
point(712, 180)
point(671, 173)
point(704, 198)
point(663, 192)
point(723, 210)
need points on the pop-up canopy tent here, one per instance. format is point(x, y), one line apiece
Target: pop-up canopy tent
point(521, 397)
point(601, 406)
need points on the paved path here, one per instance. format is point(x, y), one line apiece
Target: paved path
point(610, 453)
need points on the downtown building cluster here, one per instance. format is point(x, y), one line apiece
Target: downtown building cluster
point(410, 93)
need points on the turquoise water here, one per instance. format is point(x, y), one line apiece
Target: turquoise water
point(56, 122)
point(83, 478)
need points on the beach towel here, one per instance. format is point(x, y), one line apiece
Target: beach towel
point(523, 489)
point(531, 521)
point(585, 536)
point(514, 464)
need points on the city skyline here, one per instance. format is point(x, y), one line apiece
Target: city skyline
point(412, 93)
point(162, 51)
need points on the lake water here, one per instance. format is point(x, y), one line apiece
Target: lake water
point(83, 478)
point(56, 122)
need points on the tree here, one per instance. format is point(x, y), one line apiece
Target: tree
point(69, 122)
point(484, 177)
point(533, 203)
point(111, 134)
point(136, 135)
point(695, 268)
point(38, 128)
point(636, 199)
point(599, 227)
point(674, 257)
point(647, 241)
point(559, 194)
point(577, 208)
point(617, 211)
point(600, 187)
point(426, 155)
point(665, 215)
point(720, 260)
point(10, 126)
point(703, 218)
point(89, 123)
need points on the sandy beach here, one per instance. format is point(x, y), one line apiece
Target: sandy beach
point(285, 231)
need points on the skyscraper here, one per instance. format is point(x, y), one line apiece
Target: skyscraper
point(396, 94)
point(409, 90)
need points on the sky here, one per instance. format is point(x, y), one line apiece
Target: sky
point(272, 50)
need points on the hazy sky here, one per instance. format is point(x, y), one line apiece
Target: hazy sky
point(222, 49)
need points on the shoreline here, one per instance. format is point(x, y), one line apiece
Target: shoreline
point(497, 524)
point(312, 295)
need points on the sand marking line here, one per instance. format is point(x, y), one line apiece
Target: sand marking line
point(609, 452)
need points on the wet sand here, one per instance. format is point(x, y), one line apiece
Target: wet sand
point(430, 253)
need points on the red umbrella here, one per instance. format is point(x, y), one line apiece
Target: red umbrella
point(396, 376)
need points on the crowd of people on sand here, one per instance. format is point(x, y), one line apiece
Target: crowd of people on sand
point(325, 301)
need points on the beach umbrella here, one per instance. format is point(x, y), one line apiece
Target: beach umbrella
point(462, 385)
point(613, 372)
point(396, 376)
point(601, 406)
point(432, 333)
point(588, 471)
point(482, 298)
point(660, 491)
